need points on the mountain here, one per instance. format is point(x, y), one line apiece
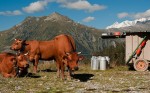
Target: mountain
point(87, 39)
point(128, 23)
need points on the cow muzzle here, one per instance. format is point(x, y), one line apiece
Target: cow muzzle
point(26, 66)
point(21, 72)
point(76, 68)
point(11, 48)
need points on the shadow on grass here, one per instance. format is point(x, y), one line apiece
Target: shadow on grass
point(31, 75)
point(48, 70)
point(83, 77)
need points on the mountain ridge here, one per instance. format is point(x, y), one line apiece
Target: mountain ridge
point(47, 27)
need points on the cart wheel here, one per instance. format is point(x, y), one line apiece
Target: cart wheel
point(140, 65)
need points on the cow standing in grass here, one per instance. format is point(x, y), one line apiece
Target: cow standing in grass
point(61, 49)
point(12, 65)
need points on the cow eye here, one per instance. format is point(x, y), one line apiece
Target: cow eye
point(16, 43)
point(13, 59)
point(70, 60)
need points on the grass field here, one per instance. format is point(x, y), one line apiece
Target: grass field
point(117, 79)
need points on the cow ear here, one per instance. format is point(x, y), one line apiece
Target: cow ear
point(78, 53)
point(65, 60)
point(81, 58)
point(17, 54)
point(24, 42)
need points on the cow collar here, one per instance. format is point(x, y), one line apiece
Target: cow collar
point(25, 46)
point(17, 71)
point(16, 67)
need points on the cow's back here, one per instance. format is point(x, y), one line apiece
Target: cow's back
point(3, 55)
point(60, 45)
point(64, 44)
point(41, 48)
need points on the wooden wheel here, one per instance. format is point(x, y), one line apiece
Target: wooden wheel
point(140, 65)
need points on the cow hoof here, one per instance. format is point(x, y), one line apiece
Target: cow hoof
point(57, 76)
point(62, 78)
point(69, 79)
point(36, 71)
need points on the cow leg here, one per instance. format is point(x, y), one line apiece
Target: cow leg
point(35, 64)
point(69, 74)
point(62, 71)
point(7, 75)
point(58, 69)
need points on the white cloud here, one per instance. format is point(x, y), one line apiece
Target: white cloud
point(11, 13)
point(142, 14)
point(88, 19)
point(70, 4)
point(145, 14)
point(36, 6)
point(123, 15)
point(40, 5)
point(81, 5)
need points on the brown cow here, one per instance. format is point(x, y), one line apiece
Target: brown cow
point(62, 49)
point(12, 65)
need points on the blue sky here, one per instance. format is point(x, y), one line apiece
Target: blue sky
point(94, 13)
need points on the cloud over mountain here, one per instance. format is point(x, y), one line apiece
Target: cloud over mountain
point(88, 19)
point(138, 15)
point(70, 4)
point(11, 13)
point(81, 5)
point(122, 15)
point(35, 6)
point(40, 5)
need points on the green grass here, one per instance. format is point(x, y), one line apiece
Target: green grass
point(117, 79)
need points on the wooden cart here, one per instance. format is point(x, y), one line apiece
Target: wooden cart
point(137, 48)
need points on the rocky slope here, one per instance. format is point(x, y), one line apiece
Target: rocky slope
point(46, 27)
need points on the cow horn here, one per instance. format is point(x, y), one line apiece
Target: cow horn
point(67, 53)
point(26, 53)
point(78, 52)
point(15, 39)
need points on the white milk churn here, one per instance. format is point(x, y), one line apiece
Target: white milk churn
point(103, 63)
point(92, 58)
point(98, 60)
point(107, 61)
point(94, 63)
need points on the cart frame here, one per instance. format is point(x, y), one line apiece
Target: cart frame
point(137, 52)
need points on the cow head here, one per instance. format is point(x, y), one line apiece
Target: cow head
point(22, 64)
point(17, 44)
point(71, 60)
